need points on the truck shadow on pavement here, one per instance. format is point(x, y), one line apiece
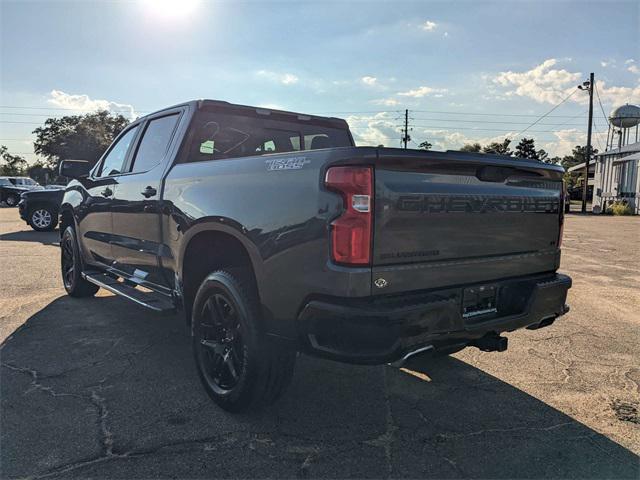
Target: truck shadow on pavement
point(101, 388)
point(45, 238)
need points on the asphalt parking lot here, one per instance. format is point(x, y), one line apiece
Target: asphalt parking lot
point(104, 389)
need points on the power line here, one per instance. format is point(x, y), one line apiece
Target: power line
point(492, 114)
point(546, 114)
point(606, 119)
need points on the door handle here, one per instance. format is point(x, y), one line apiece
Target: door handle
point(107, 192)
point(149, 192)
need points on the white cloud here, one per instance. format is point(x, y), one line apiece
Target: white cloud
point(634, 69)
point(429, 26)
point(371, 81)
point(546, 84)
point(565, 141)
point(615, 96)
point(283, 78)
point(378, 129)
point(387, 102)
point(628, 61)
point(422, 92)
point(445, 34)
point(83, 103)
point(542, 83)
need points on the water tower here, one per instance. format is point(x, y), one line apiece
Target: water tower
point(623, 126)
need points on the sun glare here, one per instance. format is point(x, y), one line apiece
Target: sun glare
point(170, 9)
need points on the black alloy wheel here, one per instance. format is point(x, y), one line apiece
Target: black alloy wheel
point(71, 267)
point(239, 366)
point(221, 349)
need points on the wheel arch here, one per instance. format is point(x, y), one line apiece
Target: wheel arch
point(210, 247)
point(67, 218)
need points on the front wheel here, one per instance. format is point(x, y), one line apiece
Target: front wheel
point(240, 368)
point(43, 219)
point(71, 267)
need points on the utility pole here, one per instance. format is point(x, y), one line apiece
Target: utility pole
point(587, 156)
point(405, 132)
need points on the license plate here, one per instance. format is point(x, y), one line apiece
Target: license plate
point(480, 300)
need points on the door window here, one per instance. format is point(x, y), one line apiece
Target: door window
point(155, 143)
point(112, 164)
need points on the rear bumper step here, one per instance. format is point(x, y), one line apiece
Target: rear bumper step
point(379, 330)
point(153, 300)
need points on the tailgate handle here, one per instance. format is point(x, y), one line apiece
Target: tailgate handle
point(490, 173)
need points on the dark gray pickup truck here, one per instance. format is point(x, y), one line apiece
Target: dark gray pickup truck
point(276, 235)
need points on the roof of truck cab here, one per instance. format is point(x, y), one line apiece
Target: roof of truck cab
point(208, 103)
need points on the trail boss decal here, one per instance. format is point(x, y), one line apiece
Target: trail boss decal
point(294, 163)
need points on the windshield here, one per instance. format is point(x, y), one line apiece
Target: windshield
point(221, 135)
point(4, 181)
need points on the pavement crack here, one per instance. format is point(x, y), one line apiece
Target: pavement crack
point(448, 436)
point(100, 404)
point(35, 382)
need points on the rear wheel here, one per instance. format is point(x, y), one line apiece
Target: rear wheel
point(239, 367)
point(43, 219)
point(71, 267)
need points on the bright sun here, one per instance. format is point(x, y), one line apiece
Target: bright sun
point(170, 9)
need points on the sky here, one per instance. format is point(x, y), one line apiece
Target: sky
point(466, 71)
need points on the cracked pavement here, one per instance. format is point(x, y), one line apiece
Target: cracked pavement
point(101, 388)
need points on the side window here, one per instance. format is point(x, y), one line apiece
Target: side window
point(155, 142)
point(112, 164)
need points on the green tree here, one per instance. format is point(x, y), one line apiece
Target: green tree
point(12, 165)
point(527, 149)
point(82, 137)
point(543, 156)
point(471, 147)
point(425, 145)
point(498, 148)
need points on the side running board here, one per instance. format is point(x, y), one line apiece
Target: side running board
point(153, 300)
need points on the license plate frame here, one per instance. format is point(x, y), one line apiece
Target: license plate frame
point(479, 301)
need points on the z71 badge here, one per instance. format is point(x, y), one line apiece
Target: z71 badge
point(294, 163)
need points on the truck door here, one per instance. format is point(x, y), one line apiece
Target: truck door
point(137, 235)
point(95, 226)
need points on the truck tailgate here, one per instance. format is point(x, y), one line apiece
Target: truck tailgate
point(447, 218)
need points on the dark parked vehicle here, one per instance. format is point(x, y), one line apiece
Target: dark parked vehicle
point(40, 208)
point(276, 235)
point(12, 187)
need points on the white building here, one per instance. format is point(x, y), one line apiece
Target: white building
point(617, 177)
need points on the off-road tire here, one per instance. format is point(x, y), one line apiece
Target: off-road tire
point(263, 368)
point(71, 267)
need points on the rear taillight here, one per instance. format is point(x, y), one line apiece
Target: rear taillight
point(351, 231)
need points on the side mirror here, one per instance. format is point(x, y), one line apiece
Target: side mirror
point(74, 168)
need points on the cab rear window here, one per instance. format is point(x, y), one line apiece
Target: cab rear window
point(220, 135)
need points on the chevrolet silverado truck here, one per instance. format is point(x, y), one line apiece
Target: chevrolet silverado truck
point(276, 235)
